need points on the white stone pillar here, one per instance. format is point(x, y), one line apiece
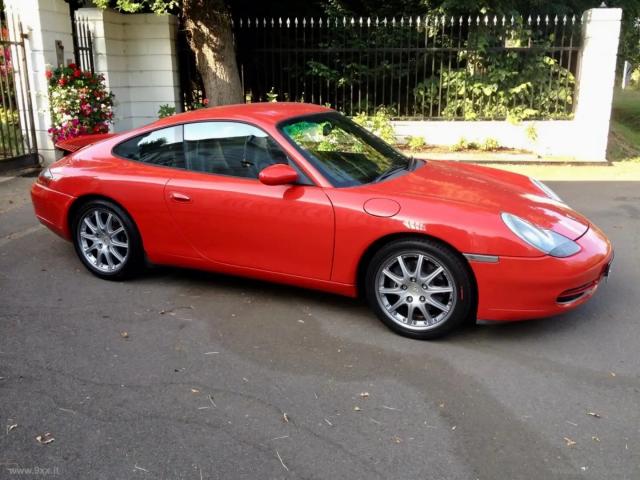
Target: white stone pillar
point(45, 22)
point(137, 55)
point(595, 81)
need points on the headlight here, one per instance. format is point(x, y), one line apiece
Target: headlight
point(546, 190)
point(546, 241)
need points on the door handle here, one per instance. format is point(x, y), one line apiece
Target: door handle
point(179, 197)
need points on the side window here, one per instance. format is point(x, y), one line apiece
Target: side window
point(159, 147)
point(230, 148)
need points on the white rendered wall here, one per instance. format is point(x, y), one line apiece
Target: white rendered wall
point(45, 22)
point(137, 55)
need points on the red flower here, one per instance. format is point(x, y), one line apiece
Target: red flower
point(73, 66)
point(77, 73)
point(62, 82)
point(205, 101)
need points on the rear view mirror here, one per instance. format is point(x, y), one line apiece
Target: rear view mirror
point(278, 174)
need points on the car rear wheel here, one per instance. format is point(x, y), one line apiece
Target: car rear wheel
point(419, 288)
point(107, 240)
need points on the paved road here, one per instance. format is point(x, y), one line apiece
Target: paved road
point(211, 364)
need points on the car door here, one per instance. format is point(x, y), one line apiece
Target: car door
point(139, 184)
point(230, 217)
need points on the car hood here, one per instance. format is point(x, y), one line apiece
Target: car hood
point(487, 189)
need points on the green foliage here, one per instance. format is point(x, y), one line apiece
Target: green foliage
point(460, 145)
point(624, 136)
point(8, 117)
point(495, 83)
point(272, 96)
point(166, 110)
point(416, 143)
point(531, 132)
point(489, 145)
point(137, 6)
point(378, 124)
point(10, 134)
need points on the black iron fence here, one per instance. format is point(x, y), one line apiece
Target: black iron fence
point(83, 44)
point(17, 129)
point(426, 67)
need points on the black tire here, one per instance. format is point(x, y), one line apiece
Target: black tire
point(131, 262)
point(455, 276)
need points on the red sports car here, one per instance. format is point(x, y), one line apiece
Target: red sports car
point(299, 194)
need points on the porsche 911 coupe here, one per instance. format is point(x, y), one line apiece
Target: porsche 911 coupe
point(299, 194)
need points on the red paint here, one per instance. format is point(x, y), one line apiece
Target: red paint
point(279, 174)
point(314, 236)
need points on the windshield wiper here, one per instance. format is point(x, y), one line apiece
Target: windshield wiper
point(393, 170)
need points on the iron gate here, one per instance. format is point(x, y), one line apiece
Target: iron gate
point(18, 147)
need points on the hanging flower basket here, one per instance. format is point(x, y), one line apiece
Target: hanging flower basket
point(80, 103)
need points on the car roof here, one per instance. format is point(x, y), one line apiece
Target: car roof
point(264, 112)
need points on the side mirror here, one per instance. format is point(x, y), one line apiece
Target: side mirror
point(278, 174)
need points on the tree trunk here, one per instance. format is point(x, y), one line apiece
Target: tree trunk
point(208, 26)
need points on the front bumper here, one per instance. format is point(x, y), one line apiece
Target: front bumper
point(518, 288)
point(51, 208)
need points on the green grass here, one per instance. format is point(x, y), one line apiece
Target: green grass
point(624, 132)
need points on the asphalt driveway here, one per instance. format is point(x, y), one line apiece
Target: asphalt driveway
point(188, 375)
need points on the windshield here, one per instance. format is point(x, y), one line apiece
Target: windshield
point(345, 153)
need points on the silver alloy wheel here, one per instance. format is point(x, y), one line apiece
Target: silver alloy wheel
point(416, 291)
point(103, 240)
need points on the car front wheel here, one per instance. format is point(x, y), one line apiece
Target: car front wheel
point(419, 288)
point(106, 240)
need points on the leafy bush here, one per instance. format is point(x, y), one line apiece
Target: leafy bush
point(416, 143)
point(80, 103)
point(166, 110)
point(8, 117)
point(489, 145)
point(378, 124)
point(460, 145)
point(497, 83)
